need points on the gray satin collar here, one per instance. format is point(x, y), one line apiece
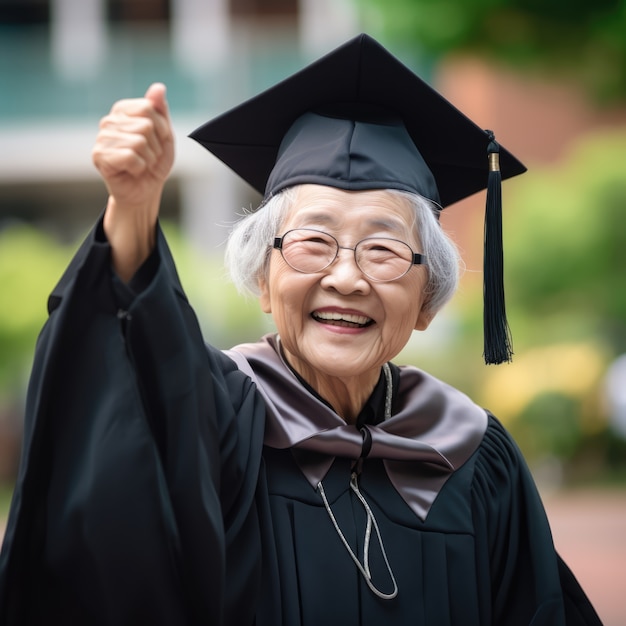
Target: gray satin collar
point(434, 431)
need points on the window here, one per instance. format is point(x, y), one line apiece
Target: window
point(138, 10)
point(264, 8)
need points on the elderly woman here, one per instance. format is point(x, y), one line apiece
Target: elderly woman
point(303, 479)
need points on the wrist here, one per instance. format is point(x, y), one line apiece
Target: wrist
point(131, 235)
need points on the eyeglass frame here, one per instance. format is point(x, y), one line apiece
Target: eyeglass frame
point(417, 258)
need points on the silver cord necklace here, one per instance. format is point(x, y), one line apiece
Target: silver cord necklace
point(364, 567)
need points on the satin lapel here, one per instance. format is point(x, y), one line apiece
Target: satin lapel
point(434, 431)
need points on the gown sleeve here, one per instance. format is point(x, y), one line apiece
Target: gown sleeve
point(530, 583)
point(135, 499)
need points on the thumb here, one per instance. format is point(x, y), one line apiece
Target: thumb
point(156, 93)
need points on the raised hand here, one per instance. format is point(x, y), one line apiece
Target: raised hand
point(134, 153)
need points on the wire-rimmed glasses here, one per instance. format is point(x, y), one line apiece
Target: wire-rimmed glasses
point(381, 259)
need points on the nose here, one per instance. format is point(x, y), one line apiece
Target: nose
point(344, 275)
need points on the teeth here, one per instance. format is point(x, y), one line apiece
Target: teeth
point(343, 317)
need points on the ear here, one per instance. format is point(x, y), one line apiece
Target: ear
point(424, 319)
point(264, 296)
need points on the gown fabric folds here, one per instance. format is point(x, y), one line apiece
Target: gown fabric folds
point(146, 494)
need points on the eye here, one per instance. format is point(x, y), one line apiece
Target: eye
point(310, 238)
point(318, 240)
point(380, 248)
point(308, 250)
point(384, 250)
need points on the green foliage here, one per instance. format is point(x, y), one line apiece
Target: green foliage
point(6, 493)
point(30, 265)
point(566, 244)
point(565, 269)
point(550, 426)
point(226, 317)
point(585, 39)
point(565, 250)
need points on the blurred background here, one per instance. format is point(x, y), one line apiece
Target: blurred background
point(548, 77)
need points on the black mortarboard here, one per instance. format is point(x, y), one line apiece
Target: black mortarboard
point(358, 118)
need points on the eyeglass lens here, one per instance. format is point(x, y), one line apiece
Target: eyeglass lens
point(380, 258)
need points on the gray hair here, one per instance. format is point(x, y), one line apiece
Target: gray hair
point(250, 244)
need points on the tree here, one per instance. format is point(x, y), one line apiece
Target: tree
point(585, 40)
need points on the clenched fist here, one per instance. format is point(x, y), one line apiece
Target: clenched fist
point(134, 153)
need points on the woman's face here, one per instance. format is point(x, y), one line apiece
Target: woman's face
point(376, 319)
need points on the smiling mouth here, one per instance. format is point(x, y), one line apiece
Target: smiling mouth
point(347, 320)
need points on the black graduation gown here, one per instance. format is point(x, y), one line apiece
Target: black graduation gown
point(145, 494)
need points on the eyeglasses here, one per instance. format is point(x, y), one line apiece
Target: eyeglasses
point(381, 259)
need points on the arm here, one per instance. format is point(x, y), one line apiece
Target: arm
point(132, 428)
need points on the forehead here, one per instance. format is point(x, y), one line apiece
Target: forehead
point(339, 209)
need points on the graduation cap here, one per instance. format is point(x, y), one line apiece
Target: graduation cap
point(357, 119)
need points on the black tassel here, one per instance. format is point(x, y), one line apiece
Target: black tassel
point(497, 335)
